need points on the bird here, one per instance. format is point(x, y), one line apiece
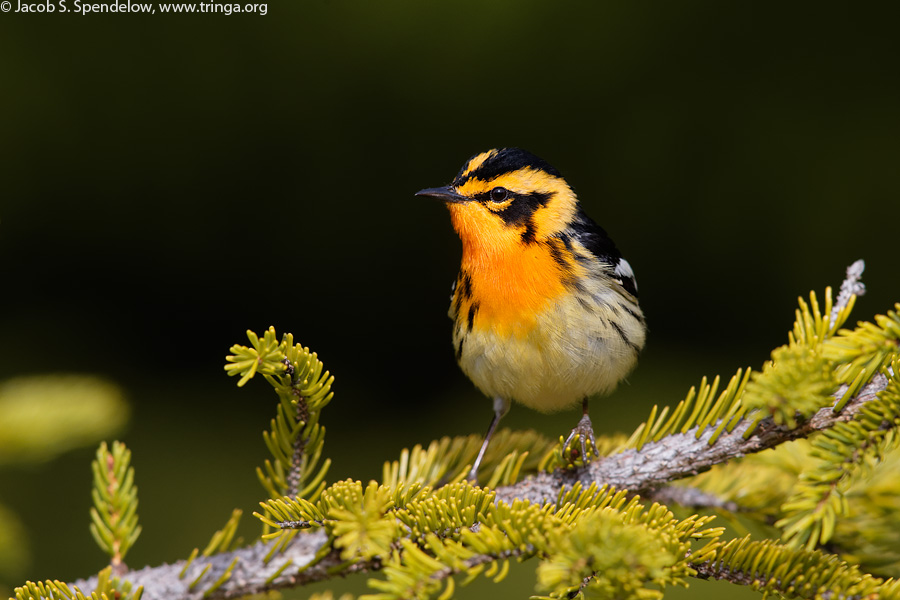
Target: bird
point(545, 308)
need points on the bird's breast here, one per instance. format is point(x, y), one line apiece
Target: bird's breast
point(578, 346)
point(506, 291)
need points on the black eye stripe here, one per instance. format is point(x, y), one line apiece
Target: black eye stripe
point(523, 206)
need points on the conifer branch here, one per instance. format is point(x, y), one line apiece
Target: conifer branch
point(251, 571)
point(711, 570)
point(257, 569)
point(683, 454)
point(588, 527)
point(771, 567)
point(114, 521)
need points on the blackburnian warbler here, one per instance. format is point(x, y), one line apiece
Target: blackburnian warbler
point(545, 308)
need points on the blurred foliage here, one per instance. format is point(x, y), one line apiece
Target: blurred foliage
point(14, 547)
point(761, 484)
point(44, 416)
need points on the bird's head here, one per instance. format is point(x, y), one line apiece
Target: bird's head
point(507, 197)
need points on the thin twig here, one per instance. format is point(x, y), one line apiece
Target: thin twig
point(851, 286)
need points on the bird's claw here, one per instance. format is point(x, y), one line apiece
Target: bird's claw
point(585, 432)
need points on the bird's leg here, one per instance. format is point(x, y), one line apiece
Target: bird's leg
point(585, 431)
point(501, 407)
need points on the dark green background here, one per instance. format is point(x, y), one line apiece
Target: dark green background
point(171, 181)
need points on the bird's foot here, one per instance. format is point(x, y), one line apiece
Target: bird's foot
point(584, 432)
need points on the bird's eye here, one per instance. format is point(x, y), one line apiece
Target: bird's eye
point(499, 194)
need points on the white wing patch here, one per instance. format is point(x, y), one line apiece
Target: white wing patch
point(623, 271)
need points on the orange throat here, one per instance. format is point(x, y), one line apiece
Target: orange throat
point(512, 281)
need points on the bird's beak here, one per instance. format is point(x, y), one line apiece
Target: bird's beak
point(446, 193)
